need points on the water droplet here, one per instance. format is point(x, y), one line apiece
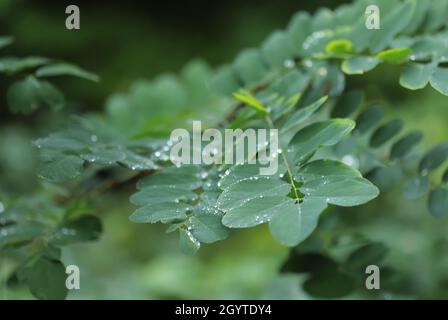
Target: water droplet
point(93, 138)
point(289, 63)
point(227, 172)
point(2, 207)
point(323, 71)
point(351, 161)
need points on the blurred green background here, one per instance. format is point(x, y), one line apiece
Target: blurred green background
point(123, 41)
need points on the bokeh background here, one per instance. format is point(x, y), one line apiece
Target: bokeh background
point(123, 41)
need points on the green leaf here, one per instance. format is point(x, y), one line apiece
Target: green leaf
point(436, 15)
point(66, 69)
point(404, 145)
point(348, 104)
point(240, 193)
point(369, 118)
point(391, 24)
point(83, 228)
point(14, 234)
point(298, 30)
point(370, 254)
point(162, 193)
point(16, 65)
point(185, 196)
point(103, 156)
point(434, 158)
point(27, 95)
point(46, 279)
point(224, 81)
point(256, 211)
point(438, 202)
point(249, 66)
point(416, 76)
point(187, 242)
point(56, 167)
point(416, 187)
point(5, 41)
point(386, 132)
point(329, 284)
point(205, 227)
point(319, 134)
point(340, 47)
point(303, 114)
point(385, 178)
point(344, 192)
point(251, 101)
point(323, 169)
point(165, 212)
point(395, 55)
point(296, 222)
point(445, 176)
point(439, 80)
point(359, 64)
point(277, 49)
point(187, 176)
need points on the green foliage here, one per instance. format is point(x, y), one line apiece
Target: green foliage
point(27, 95)
point(336, 150)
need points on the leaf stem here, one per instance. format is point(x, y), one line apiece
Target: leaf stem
point(285, 161)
